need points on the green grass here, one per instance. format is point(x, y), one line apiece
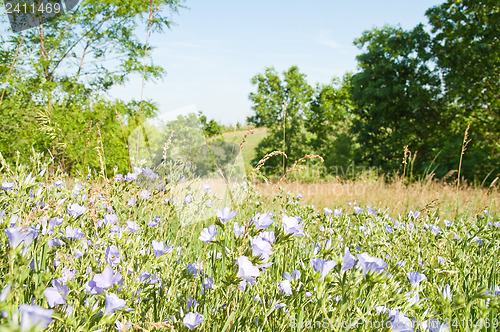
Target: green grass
point(461, 254)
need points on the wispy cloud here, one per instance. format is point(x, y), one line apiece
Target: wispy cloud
point(283, 56)
point(187, 44)
point(324, 39)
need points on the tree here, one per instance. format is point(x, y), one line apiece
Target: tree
point(397, 97)
point(466, 48)
point(62, 71)
point(210, 128)
point(272, 93)
point(329, 119)
point(75, 46)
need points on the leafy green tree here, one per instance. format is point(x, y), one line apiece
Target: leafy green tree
point(272, 92)
point(423, 90)
point(210, 128)
point(397, 97)
point(328, 119)
point(466, 48)
point(64, 67)
point(76, 46)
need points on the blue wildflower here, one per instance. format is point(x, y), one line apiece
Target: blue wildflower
point(267, 236)
point(154, 222)
point(7, 185)
point(415, 278)
point(262, 221)
point(131, 202)
point(34, 315)
point(399, 322)
point(119, 178)
point(358, 210)
point(286, 287)
point(261, 248)
point(113, 303)
point(74, 233)
point(150, 173)
point(107, 278)
point(144, 276)
point(192, 319)
point(76, 210)
point(160, 248)
point(119, 326)
point(208, 234)
point(112, 255)
point(5, 292)
point(348, 261)
point(16, 235)
point(371, 264)
point(225, 215)
point(446, 292)
point(238, 231)
point(56, 294)
point(291, 225)
point(131, 177)
point(435, 229)
point(132, 227)
point(322, 266)
point(208, 283)
point(246, 270)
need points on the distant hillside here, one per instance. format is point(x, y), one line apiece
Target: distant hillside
point(250, 145)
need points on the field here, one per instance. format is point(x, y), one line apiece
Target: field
point(114, 216)
point(91, 253)
point(371, 190)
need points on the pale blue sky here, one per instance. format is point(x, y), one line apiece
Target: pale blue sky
point(217, 46)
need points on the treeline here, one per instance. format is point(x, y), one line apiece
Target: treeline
point(414, 88)
point(413, 98)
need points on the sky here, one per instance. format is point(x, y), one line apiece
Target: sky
point(216, 47)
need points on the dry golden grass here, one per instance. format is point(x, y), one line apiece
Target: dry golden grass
point(396, 197)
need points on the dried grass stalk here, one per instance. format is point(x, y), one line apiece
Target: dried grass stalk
point(266, 157)
point(248, 133)
point(297, 167)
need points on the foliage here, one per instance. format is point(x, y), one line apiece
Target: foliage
point(70, 133)
point(62, 70)
point(74, 46)
point(422, 90)
point(210, 128)
point(328, 120)
point(467, 50)
point(397, 97)
point(273, 95)
point(414, 90)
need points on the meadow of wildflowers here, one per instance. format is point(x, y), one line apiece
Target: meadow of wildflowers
point(96, 254)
